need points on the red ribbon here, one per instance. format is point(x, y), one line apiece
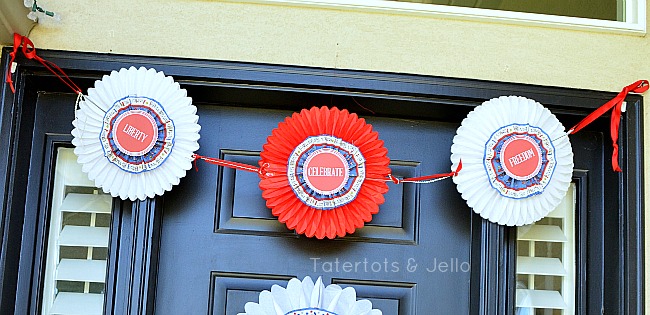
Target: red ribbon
point(426, 179)
point(17, 40)
point(616, 103)
point(229, 164)
point(29, 51)
point(262, 172)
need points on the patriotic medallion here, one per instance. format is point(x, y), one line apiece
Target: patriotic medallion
point(135, 133)
point(324, 172)
point(517, 160)
point(308, 298)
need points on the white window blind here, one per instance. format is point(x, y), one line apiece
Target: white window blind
point(78, 238)
point(546, 262)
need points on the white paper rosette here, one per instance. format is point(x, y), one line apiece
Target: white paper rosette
point(135, 133)
point(517, 160)
point(308, 298)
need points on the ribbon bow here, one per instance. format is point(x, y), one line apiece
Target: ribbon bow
point(29, 51)
point(617, 104)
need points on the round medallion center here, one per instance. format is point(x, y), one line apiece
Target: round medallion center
point(135, 132)
point(519, 160)
point(521, 157)
point(326, 171)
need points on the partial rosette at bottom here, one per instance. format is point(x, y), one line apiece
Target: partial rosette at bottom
point(517, 160)
point(323, 172)
point(308, 298)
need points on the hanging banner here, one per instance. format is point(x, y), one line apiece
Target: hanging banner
point(518, 161)
point(308, 298)
point(135, 133)
point(323, 171)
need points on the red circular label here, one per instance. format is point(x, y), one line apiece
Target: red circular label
point(326, 171)
point(521, 157)
point(135, 132)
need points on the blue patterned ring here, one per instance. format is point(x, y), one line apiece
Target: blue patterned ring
point(326, 172)
point(519, 160)
point(137, 135)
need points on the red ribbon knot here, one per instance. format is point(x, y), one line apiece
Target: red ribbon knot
point(616, 104)
point(29, 50)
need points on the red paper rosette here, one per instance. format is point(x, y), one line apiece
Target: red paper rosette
point(323, 172)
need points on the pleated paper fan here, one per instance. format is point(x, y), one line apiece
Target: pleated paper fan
point(517, 160)
point(327, 171)
point(135, 133)
point(308, 298)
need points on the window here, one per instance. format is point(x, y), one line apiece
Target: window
point(628, 16)
point(611, 10)
point(546, 262)
point(78, 242)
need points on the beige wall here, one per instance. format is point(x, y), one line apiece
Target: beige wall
point(351, 40)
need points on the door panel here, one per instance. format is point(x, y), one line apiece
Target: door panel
point(242, 208)
point(220, 245)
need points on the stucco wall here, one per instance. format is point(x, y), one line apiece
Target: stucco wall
point(351, 40)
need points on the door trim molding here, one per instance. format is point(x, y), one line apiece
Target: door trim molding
point(386, 94)
point(133, 257)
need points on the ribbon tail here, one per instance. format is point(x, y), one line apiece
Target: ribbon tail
point(195, 157)
point(615, 126)
point(615, 166)
point(18, 39)
point(11, 82)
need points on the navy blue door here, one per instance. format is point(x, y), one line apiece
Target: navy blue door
point(220, 245)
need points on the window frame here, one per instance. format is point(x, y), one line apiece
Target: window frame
point(633, 24)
